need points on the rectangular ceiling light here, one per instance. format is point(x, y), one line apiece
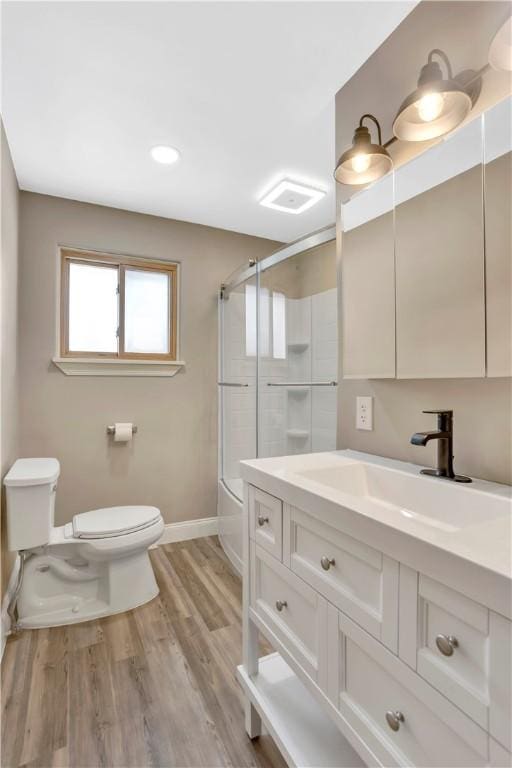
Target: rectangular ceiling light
point(291, 197)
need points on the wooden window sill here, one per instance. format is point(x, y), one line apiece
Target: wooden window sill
point(98, 366)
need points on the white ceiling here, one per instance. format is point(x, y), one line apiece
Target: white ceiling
point(245, 91)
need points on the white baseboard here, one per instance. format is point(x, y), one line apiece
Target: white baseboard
point(6, 622)
point(189, 529)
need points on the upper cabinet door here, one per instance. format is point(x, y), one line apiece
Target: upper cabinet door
point(368, 284)
point(439, 240)
point(498, 245)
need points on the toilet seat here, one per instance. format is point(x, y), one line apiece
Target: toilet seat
point(113, 521)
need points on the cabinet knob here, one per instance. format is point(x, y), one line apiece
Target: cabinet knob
point(262, 520)
point(326, 562)
point(280, 604)
point(447, 644)
point(394, 719)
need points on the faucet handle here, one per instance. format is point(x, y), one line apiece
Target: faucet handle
point(441, 412)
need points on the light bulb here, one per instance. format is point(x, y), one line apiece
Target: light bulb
point(430, 107)
point(361, 163)
point(164, 154)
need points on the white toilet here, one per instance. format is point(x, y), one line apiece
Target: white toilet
point(94, 566)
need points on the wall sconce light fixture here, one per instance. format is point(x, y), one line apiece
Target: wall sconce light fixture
point(438, 105)
point(363, 162)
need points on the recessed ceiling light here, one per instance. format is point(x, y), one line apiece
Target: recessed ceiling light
point(165, 155)
point(291, 197)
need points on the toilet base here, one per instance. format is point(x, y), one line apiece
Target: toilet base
point(61, 587)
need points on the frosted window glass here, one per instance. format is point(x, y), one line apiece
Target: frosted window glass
point(93, 308)
point(146, 311)
point(279, 325)
point(250, 320)
point(264, 310)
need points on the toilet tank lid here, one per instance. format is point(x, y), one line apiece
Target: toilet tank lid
point(32, 472)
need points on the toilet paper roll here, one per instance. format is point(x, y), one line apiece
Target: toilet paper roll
point(123, 432)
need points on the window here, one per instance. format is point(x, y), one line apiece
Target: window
point(272, 322)
point(279, 325)
point(117, 307)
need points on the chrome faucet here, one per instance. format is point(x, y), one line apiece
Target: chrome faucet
point(444, 437)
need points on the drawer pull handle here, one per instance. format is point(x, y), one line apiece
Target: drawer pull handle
point(447, 644)
point(262, 520)
point(394, 719)
point(280, 604)
point(326, 562)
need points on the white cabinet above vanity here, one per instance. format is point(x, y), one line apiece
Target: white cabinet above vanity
point(426, 261)
point(386, 596)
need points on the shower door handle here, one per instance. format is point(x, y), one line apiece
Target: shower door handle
point(231, 384)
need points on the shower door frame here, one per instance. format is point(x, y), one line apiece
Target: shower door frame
point(240, 276)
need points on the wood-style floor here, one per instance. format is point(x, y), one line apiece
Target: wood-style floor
point(152, 687)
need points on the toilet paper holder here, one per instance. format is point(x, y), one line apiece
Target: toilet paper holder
point(111, 429)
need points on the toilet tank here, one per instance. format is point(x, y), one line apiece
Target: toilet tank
point(31, 485)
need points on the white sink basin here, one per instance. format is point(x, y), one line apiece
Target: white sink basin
point(441, 504)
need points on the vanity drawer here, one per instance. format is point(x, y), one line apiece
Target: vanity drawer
point(293, 612)
point(266, 521)
point(463, 650)
point(368, 685)
point(358, 579)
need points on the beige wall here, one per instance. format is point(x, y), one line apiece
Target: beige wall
point(172, 461)
point(9, 332)
point(310, 272)
point(482, 421)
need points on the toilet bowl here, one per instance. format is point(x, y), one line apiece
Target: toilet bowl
point(94, 566)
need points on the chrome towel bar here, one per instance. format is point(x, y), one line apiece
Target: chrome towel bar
point(302, 384)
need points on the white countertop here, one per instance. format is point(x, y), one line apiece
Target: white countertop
point(471, 522)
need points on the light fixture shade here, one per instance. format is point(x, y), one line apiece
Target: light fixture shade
point(500, 52)
point(364, 162)
point(437, 106)
point(409, 125)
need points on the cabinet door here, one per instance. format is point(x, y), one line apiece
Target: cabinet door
point(460, 647)
point(266, 520)
point(498, 238)
point(358, 579)
point(368, 685)
point(368, 299)
point(293, 613)
point(440, 307)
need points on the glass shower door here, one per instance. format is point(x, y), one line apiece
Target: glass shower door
point(298, 354)
point(238, 380)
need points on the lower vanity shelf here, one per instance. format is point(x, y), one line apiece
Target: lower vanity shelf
point(304, 734)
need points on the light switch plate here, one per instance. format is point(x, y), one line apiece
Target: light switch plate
point(364, 413)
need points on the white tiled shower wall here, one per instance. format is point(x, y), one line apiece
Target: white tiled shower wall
point(290, 420)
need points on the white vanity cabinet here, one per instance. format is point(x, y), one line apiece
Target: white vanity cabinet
point(376, 662)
